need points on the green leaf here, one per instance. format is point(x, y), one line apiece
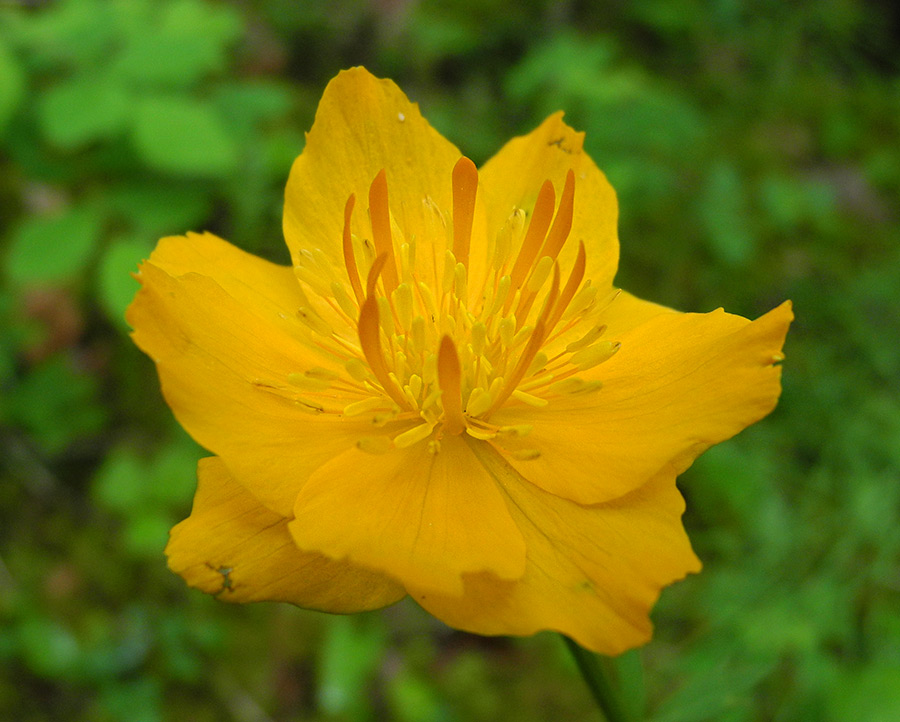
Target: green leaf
point(83, 109)
point(74, 33)
point(53, 248)
point(146, 533)
point(178, 44)
point(57, 404)
point(168, 60)
point(115, 285)
point(48, 648)
point(871, 694)
point(351, 652)
point(245, 105)
point(120, 483)
point(725, 216)
point(183, 136)
point(154, 209)
point(12, 84)
point(174, 473)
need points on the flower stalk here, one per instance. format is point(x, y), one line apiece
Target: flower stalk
point(600, 676)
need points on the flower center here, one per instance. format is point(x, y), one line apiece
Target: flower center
point(438, 343)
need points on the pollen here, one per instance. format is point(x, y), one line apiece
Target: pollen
point(432, 331)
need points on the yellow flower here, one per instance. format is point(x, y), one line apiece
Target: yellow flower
point(445, 396)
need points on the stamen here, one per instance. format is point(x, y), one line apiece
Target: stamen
point(588, 338)
point(482, 434)
point(449, 376)
point(479, 337)
point(540, 274)
point(512, 229)
point(465, 186)
point(479, 402)
point(417, 333)
point(413, 436)
point(529, 399)
point(594, 355)
point(356, 368)
point(449, 272)
point(349, 258)
point(314, 321)
point(302, 381)
point(317, 372)
point(374, 444)
point(370, 340)
point(502, 293)
point(361, 407)
point(343, 299)
point(562, 224)
point(570, 385)
point(534, 344)
point(571, 287)
point(403, 302)
point(459, 282)
point(582, 300)
point(380, 218)
point(537, 230)
point(517, 430)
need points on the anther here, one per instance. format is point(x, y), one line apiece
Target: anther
point(343, 299)
point(314, 321)
point(317, 372)
point(302, 381)
point(403, 302)
point(527, 398)
point(374, 444)
point(594, 355)
point(356, 368)
point(412, 436)
point(361, 407)
point(588, 338)
point(459, 282)
point(479, 402)
point(518, 430)
point(417, 334)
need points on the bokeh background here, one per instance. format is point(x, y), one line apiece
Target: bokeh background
point(755, 148)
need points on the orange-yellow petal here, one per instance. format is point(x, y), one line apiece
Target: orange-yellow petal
point(420, 517)
point(235, 548)
point(224, 359)
point(592, 572)
point(679, 384)
point(513, 177)
point(365, 125)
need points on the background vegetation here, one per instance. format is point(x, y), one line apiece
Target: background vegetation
point(755, 147)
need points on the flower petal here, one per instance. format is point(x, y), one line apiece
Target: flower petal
point(363, 125)
point(679, 384)
point(592, 573)
point(247, 278)
point(419, 517)
point(513, 177)
point(224, 362)
point(233, 547)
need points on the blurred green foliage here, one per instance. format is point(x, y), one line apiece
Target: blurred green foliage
point(755, 148)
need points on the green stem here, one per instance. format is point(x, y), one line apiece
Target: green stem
point(600, 677)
